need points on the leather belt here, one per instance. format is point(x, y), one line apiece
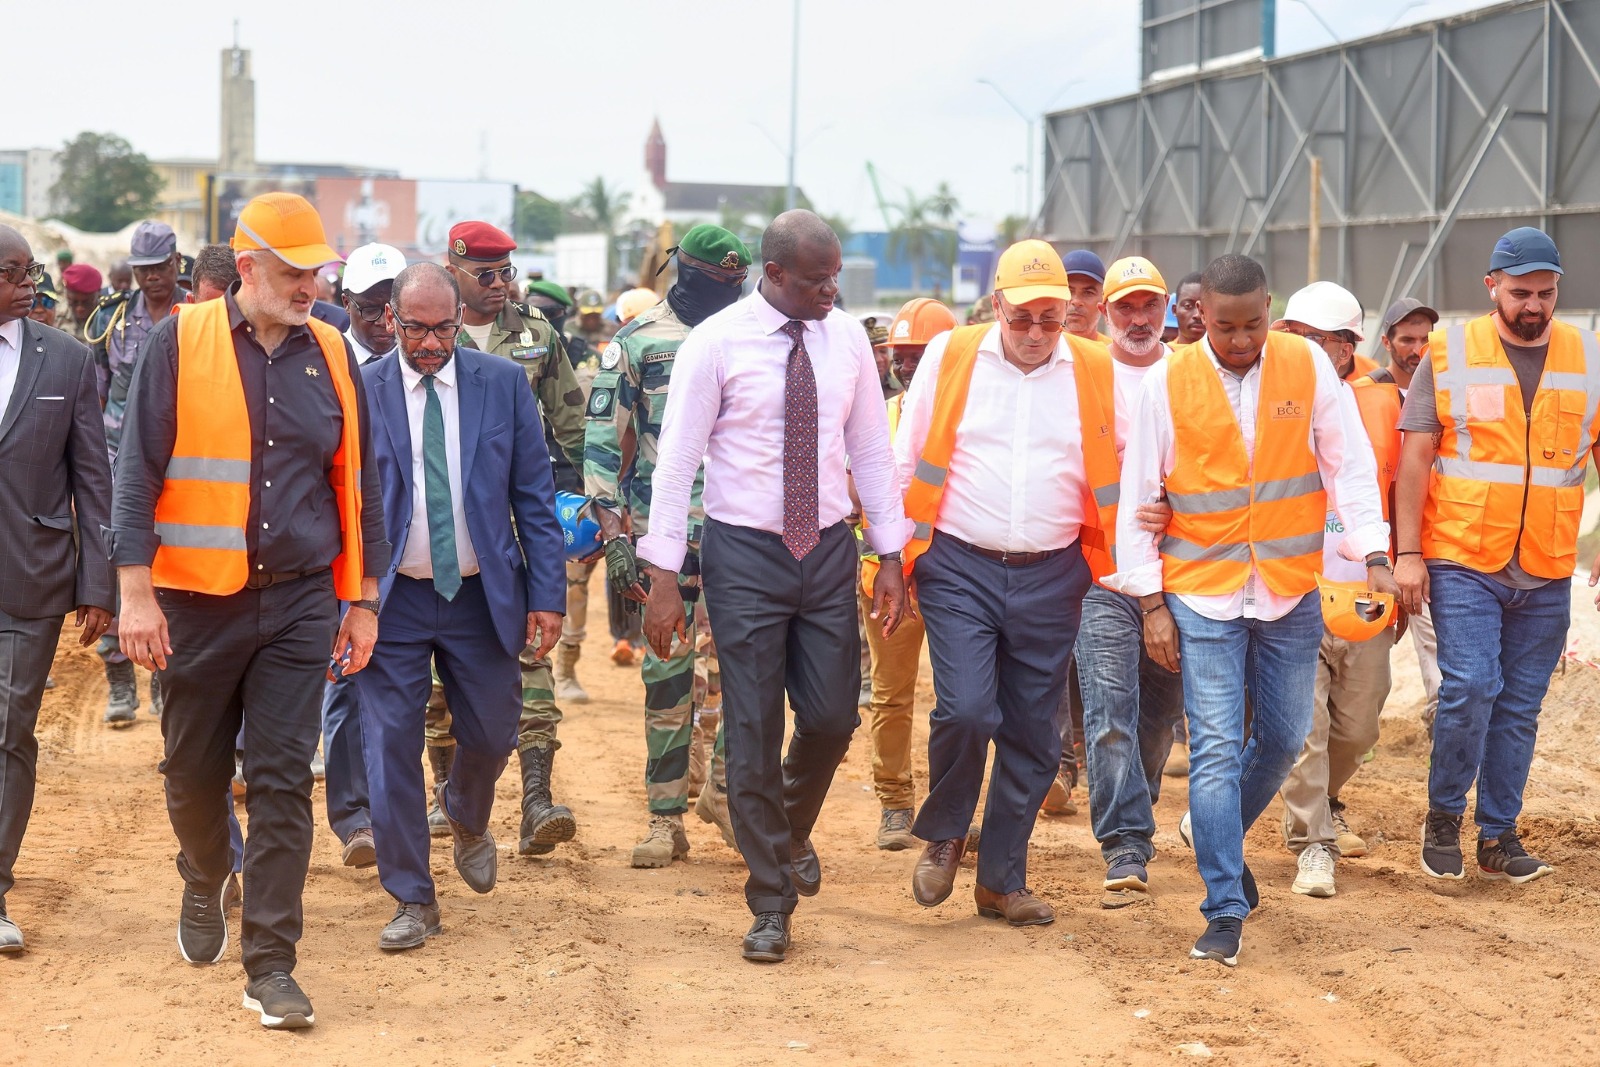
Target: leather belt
point(1009, 559)
point(260, 580)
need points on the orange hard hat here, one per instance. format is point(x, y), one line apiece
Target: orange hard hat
point(1352, 611)
point(920, 321)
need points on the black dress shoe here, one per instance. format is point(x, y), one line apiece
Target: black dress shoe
point(768, 939)
point(807, 868)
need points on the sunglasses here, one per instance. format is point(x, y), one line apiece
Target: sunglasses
point(1047, 327)
point(486, 277)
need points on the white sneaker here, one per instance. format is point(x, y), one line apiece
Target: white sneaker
point(1186, 830)
point(1316, 872)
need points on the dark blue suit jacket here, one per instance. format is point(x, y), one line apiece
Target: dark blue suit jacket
point(505, 476)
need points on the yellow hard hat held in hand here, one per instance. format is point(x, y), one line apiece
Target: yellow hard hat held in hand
point(1352, 611)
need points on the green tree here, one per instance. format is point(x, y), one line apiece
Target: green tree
point(104, 183)
point(538, 218)
point(603, 205)
point(1011, 229)
point(920, 235)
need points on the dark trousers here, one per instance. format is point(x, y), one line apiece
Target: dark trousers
point(998, 638)
point(259, 657)
point(26, 648)
point(349, 808)
point(483, 686)
point(783, 626)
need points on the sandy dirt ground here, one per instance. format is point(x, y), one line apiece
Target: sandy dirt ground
point(578, 959)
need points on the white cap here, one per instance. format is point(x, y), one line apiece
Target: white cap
point(1326, 307)
point(371, 264)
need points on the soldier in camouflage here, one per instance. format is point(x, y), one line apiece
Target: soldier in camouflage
point(625, 411)
point(480, 254)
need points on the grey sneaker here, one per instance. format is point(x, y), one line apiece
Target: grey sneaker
point(122, 706)
point(1441, 845)
point(1505, 860)
point(277, 998)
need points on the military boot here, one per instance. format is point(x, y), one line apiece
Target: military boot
point(158, 702)
point(440, 758)
point(568, 688)
point(665, 842)
point(545, 824)
point(124, 700)
point(712, 807)
point(706, 721)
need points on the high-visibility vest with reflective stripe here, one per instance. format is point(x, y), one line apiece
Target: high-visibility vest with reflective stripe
point(1227, 511)
point(1091, 364)
point(1379, 405)
point(1499, 473)
point(869, 558)
point(205, 496)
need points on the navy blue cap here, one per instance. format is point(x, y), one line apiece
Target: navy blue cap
point(1083, 261)
point(1172, 313)
point(1523, 251)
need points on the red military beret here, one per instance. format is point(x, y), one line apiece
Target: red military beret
point(82, 278)
point(480, 241)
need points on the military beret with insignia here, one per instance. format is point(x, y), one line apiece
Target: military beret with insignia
point(716, 246)
point(480, 241)
point(551, 291)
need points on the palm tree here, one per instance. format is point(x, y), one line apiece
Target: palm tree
point(1011, 229)
point(603, 205)
point(919, 236)
point(943, 204)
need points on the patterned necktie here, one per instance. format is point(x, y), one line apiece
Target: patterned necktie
point(799, 447)
point(436, 496)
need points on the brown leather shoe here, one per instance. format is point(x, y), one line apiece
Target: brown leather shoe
point(1019, 908)
point(935, 875)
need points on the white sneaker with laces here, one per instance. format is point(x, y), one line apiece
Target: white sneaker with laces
point(1316, 872)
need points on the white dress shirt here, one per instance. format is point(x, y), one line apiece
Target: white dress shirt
point(10, 362)
point(726, 404)
point(1016, 478)
point(1128, 381)
point(364, 355)
point(1344, 459)
point(417, 561)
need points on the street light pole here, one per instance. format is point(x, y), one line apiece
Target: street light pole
point(1321, 21)
point(1028, 119)
point(794, 103)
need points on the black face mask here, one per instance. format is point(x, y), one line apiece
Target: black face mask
point(697, 295)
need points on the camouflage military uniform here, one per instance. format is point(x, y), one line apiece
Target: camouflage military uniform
point(630, 393)
point(525, 337)
point(583, 352)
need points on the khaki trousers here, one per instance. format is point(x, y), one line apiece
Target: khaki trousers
point(894, 685)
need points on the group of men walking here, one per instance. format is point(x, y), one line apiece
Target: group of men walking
point(1197, 533)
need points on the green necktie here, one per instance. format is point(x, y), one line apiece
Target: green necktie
point(436, 494)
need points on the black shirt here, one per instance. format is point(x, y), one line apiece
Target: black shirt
point(295, 428)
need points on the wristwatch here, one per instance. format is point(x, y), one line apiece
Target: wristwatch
point(1378, 559)
point(895, 556)
point(370, 605)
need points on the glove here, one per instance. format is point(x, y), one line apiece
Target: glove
point(622, 565)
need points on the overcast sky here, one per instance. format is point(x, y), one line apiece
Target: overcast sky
point(548, 95)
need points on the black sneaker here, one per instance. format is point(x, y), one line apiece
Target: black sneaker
point(202, 927)
point(1506, 860)
point(1441, 845)
point(278, 1000)
point(1220, 942)
point(1126, 873)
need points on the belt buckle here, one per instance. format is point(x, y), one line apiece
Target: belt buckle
point(1005, 557)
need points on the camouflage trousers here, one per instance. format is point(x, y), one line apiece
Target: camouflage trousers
point(575, 627)
point(540, 716)
point(671, 707)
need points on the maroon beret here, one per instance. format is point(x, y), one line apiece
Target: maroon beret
point(82, 278)
point(480, 241)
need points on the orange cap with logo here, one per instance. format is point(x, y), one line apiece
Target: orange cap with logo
point(1351, 611)
point(1133, 274)
point(1031, 270)
point(920, 321)
point(287, 226)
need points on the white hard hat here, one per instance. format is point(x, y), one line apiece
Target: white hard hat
point(1326, 307)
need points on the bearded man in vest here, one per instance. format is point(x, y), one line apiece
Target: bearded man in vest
point(242, 514)
point(1245, 434)
point(1352, 676)
point(1499, 425)
point(1005, 446)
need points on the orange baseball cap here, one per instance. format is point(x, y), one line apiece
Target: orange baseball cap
point(1133, 274)
point(287, 226)
point(920, 321)
point(1031, 270)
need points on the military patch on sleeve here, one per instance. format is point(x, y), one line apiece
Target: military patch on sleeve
point(602, 402)
point(611, 358)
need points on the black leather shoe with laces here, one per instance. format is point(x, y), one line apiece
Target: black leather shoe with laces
point(768, 939)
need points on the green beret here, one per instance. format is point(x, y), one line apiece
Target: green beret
point(716, 246)
point(551, 290)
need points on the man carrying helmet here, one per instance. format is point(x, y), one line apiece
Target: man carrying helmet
point(895, 658)
point(626, 407)
point(1353, 659)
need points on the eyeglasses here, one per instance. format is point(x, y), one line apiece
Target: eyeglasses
point(1047, 327)
point(34, 272)
point(367, 312)
point(486, 277)
point(444, 331)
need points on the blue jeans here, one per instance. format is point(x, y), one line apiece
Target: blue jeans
point(1230, 786)
point(1497, 650)
point(1129, 705)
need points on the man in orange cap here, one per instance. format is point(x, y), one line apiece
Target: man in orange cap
point(895, 659)
point(1006, 454)
point(242, 514)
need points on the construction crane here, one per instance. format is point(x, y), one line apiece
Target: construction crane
point(877, 191)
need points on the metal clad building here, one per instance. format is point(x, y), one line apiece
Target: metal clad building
point(1433, 139)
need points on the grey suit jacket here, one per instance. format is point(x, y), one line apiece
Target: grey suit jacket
point(55, 482)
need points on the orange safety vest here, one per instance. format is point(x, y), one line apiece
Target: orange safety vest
point(205, 497)
point(1228, 511)
point(1096, 414)
point(1499, 475)
point(1379, 405)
